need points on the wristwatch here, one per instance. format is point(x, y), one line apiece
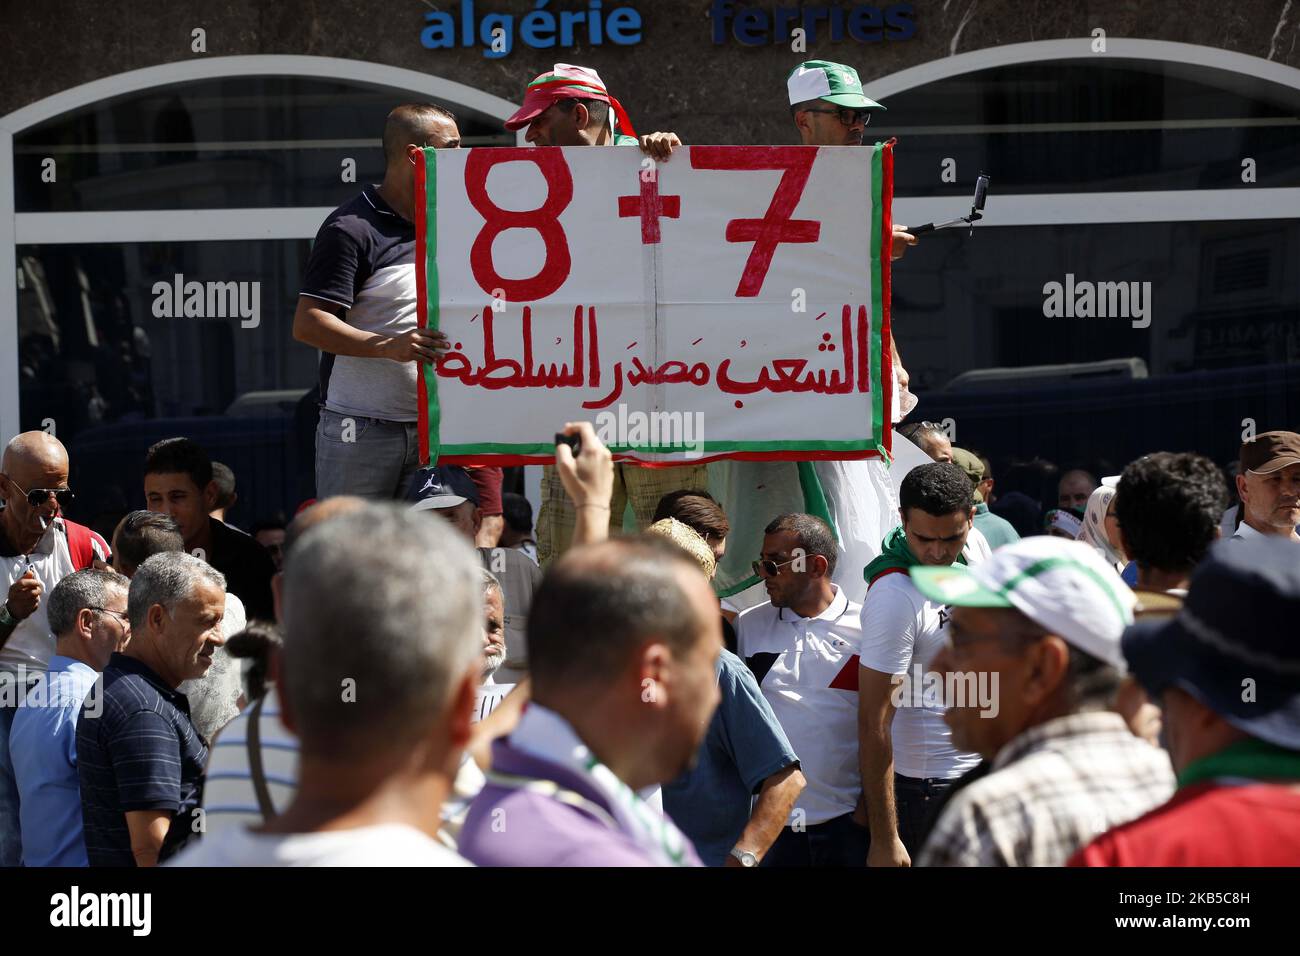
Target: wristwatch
point(7, 619)
point(744, 856)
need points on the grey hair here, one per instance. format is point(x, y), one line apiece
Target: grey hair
point(167, 579)
point(89, 587)
point(489, 582)
point(382, 616)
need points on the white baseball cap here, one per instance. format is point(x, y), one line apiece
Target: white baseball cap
point(1063, 586)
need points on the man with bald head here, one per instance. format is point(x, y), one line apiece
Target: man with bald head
point(39, 547)
point(358, 306)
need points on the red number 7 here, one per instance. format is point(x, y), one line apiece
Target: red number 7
point(776, 226)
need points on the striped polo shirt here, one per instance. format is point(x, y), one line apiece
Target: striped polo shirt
point(138, 750)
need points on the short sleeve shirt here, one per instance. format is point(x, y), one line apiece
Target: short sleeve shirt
point(137, 751)
point(807, 668)
point(902, 631)
point(745, 745)
point(363, 260)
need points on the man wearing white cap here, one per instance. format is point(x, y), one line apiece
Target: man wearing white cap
point(830, 109)
point(1042, 619)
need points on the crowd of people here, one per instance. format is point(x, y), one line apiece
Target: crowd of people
point(967, 705)
point(412, 672)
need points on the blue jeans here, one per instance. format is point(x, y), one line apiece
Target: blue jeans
point(915, 800)
point(838, 842)
point(11, 834)
point(369, 457)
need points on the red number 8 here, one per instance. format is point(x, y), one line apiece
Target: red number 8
point(545, 219)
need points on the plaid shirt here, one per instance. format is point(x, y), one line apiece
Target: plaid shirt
point(1051, 790)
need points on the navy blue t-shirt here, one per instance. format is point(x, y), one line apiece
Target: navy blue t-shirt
point(137, 749)
point(743, 747)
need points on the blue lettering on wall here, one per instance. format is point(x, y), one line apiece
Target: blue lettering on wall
point(865, 23)
point(539, 29)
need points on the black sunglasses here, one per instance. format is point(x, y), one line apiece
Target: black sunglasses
point(848, 117)
point(767, 568)
point(38, 496)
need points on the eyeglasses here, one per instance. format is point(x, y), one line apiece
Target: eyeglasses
point(848, 117)
point(38, 496)
point(767, 568)
point(121, 616)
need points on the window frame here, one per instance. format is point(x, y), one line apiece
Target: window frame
point(50, 228)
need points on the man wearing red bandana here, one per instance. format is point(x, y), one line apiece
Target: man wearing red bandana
point(570, 106)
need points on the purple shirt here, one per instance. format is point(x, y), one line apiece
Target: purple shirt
point(538, 830)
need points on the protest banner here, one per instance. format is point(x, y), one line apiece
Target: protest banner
point(732, 302)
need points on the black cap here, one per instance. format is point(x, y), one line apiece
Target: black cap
point(441, 486)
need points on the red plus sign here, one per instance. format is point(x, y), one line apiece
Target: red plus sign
point(650, 206)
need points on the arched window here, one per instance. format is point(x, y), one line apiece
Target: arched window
point(218, 170)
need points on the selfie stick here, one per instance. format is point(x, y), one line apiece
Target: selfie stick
point(981, 194)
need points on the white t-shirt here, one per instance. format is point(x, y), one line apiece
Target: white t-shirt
point(902, 629)
point(390, 844)
point(807, 668)
point(31, 644)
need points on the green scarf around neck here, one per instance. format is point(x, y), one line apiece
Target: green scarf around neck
point(1250, 759)
point(895, 555)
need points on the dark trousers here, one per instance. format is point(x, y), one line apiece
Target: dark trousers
point(837, 842)
point(917, 801)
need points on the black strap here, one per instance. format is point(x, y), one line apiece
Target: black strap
point(253, 740)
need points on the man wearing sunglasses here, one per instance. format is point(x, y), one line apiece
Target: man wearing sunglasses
point(88, 616)
point(803, 649)
point(830, 109)
point(38, 549)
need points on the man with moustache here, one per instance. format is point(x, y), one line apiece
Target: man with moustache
point(802, 646)
point(38, 548)
point(1268, 484)
point(1043, 617)
point(140, 759)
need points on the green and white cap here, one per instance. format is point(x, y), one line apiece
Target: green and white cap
point(833, 82)
point(1063, 586)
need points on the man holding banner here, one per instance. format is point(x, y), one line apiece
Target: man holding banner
point(570, 106)
point(358, 306)
point(858, 499)
point(742, 286)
